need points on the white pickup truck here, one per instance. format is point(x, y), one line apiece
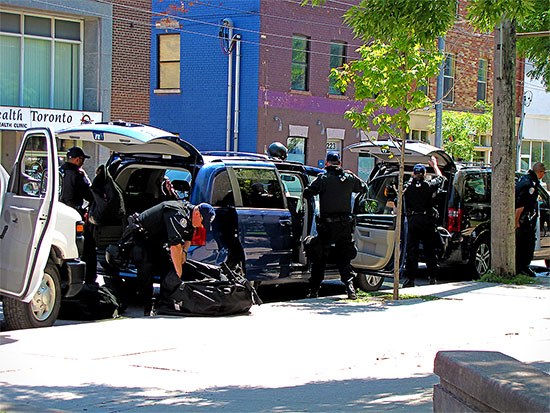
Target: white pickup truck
point(40, 238)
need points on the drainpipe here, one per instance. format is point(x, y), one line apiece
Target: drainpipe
point(228, 23)
point(439, 97)
point(237, 90)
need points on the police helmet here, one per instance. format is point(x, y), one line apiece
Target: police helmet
point(277, 150)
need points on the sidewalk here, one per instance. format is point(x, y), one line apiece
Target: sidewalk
point(314, 355)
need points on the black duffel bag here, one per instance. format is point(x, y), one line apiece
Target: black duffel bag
point(219, 292)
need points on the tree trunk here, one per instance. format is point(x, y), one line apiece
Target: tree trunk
point(503, 245)
point(399, 218)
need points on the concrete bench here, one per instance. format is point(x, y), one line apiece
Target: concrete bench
point(488, 381)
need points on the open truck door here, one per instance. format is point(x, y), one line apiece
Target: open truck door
point(26, 224)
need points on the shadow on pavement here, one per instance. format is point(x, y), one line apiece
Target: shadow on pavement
point(413, 394)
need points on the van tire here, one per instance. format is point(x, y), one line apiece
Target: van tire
point(42, 310)
point(369, 283)
point(480, 261)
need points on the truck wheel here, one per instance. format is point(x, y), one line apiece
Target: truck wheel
point(42, 310)
point(369, 283)
point(480, 261)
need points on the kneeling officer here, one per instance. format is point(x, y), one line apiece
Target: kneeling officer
point(172, 223)
point(335, 223)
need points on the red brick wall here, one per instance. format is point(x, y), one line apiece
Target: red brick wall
point(131, 60)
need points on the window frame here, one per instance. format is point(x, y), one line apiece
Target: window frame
point(449, 80)
point(482, 82)
point(52, 39)
point(160, 62)
point(341, 57)
point(303, 66)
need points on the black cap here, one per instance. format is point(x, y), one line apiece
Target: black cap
point(333, 157)
point(419, 169)
point(76, 152)
point(207, 213)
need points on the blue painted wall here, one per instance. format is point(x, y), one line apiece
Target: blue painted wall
point(199, 113)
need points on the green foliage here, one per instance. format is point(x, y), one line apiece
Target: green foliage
point(537, 49)
point(520, 279)
point(460, 129)
point(486, 14)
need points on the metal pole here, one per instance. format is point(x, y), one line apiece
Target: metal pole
point(237, 90)
point(228, 23)
point(439, 96)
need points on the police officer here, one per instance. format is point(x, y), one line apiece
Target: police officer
point(422, 226)
point(75, 190)
point(171, 223)
point(526, 217)
point(335, 223)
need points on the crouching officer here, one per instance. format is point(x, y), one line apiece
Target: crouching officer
point(422, 225)
point(526, 217)
point(335, 223)
point(169, 223)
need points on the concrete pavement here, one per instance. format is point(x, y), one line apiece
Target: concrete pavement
point(314, 355)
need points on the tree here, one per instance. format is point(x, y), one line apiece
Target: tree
point(460, 128)
point(399, 53)
point(485, 15)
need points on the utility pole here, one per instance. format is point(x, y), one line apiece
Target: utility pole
point(503, 245)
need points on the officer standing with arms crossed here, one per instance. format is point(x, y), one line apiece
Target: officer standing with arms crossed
point(171, 223)
point(527, 192)
point(75, 188)
point(422, 225)
point(335, 223)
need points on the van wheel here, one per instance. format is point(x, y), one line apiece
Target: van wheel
point(368, 283)
point(44, 307)
point(481, 257)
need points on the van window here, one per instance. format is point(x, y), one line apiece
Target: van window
point(260, 188)
point(476, 188)
point(380, 198)
point(222, 195)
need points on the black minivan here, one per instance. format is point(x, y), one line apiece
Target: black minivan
point(463, 210)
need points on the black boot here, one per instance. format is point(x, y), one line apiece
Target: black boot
point(351, 291)
point(313, 292)
point(149, 308)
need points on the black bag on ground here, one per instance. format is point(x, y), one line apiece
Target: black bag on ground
point(91, 303)
point(218, 291)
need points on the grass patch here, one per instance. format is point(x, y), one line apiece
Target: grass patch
point(520, 279)
point(363, 296)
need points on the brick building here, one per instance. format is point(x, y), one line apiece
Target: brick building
point(64, 62)
point(285, 93)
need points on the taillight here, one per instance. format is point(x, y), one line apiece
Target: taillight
point(455, 220)
point(199, 237)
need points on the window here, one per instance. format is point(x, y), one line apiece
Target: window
point(41, 62)
point(300, 63)
point(482, 80)
point(222, 194)
point(169, 61)
point(259, 188)
point(34, 167)
point(419, 135)
point(337, 59)
point(448, 79)
point(423, 87)
point(296, 149)
point(532, 152)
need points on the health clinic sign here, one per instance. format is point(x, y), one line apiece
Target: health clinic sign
point(18, 118)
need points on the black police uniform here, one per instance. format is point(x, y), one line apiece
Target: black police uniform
point(526, 197)
point(75, 189)
point(335, 224)
point(422, 225)
point(168, 223)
